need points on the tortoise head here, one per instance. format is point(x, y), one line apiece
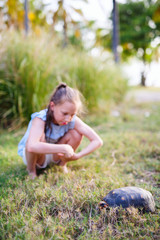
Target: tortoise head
point(103, 204)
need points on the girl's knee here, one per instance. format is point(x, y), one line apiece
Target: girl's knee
point(43, 139)
point(27, 148)
point(72, 137)
point(76, 136)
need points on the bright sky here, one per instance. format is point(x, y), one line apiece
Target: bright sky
point(100, 10)
point(93, 10)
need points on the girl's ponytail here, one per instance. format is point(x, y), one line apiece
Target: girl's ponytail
point(59, 93)
point(56, 97)
point(61, 85)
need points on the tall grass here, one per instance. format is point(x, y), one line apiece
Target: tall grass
point(25, 75)
point(31, 67)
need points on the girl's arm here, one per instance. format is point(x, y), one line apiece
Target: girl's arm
point(35, 145)
point(95, 140)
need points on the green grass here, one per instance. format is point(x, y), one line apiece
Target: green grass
point(58, 206)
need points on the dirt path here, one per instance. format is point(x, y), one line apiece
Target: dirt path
point(144, 95)
point(141, 95)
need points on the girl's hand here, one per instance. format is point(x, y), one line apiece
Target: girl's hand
point(74, 157)
point(68, 151)
point(64, 159)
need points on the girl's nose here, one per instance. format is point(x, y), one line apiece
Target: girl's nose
point(67, 118)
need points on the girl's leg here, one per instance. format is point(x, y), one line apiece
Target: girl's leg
point(32, 159)
point(73, 138)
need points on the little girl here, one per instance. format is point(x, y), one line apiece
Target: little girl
point(54, 134)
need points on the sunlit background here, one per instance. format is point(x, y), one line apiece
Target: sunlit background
point(98, 11)
point(101, 47)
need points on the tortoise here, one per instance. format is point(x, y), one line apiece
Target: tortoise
point(127, 197)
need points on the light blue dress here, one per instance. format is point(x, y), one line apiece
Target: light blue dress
point(53, 137)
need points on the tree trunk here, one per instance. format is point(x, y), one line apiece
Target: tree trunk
point(115, 38)
point(26, 22)
point(65, 34)
point(143, 73)
point(143, 79)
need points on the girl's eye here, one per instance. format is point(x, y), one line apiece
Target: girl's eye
point(65, 114)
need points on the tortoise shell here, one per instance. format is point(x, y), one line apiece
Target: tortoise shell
point(129, 196)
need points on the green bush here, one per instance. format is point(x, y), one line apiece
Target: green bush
point(30, 68)
point(24, 77)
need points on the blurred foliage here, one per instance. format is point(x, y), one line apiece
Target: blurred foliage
point(139, 26)
point(12, 12)
point(62, 14)
point(42, 14)
point(31, 67)
point(15, 13)
point(60, 19)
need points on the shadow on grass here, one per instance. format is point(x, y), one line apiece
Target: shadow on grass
point(14, 174)
point(11, 174)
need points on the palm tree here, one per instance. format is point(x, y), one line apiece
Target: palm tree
point(62, 13)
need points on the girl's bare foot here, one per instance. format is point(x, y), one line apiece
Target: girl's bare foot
point(32, 175)
point(65, 169)
point(56, 159)
point(56, 162)
point(64, 166)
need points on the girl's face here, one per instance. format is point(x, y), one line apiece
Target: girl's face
point(64, 112)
